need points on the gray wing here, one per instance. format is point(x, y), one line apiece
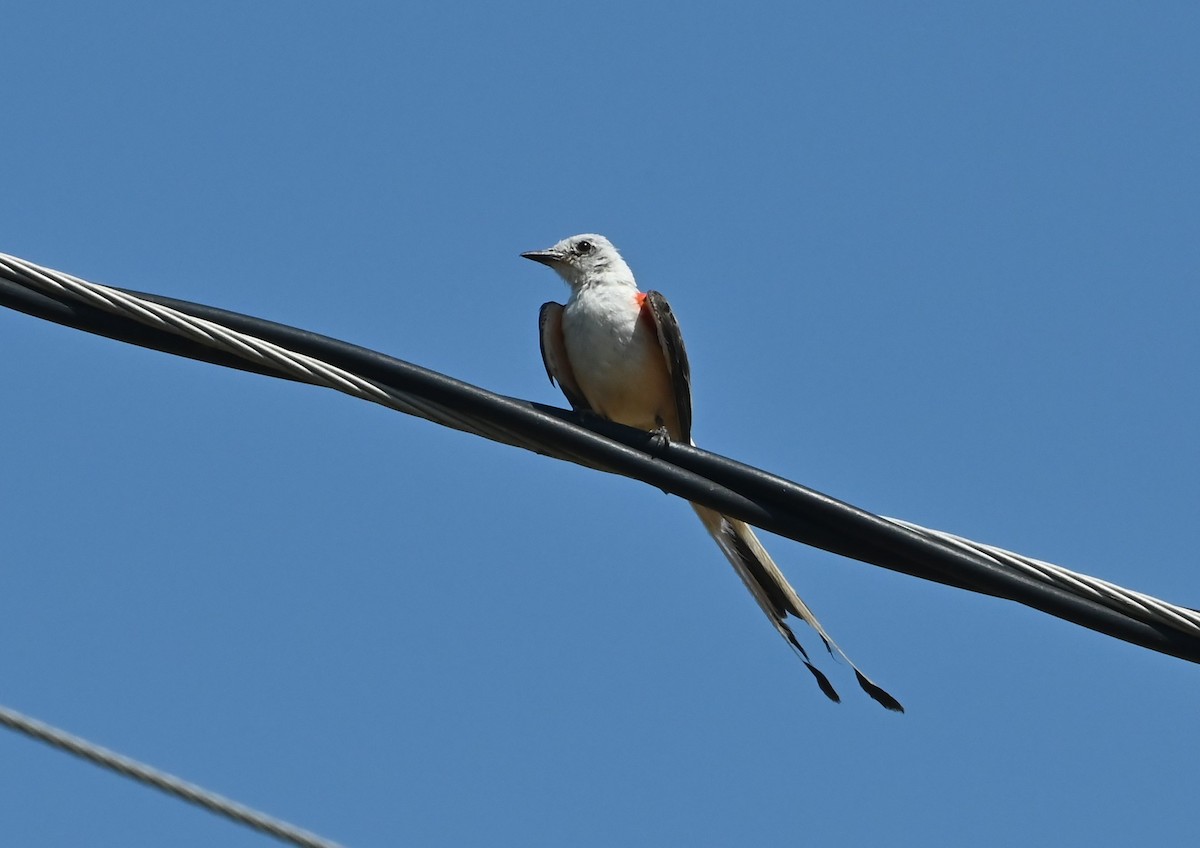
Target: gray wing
point(671, 340)
point(554, 355)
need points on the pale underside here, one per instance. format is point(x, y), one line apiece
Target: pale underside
point(619, 354)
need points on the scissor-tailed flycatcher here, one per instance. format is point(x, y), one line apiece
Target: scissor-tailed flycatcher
point(617, 352)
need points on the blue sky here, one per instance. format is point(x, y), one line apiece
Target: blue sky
point(938, 260)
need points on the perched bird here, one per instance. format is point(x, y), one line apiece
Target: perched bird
point(617, 352)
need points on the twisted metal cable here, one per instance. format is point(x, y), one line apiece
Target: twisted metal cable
point(297, 366)
point(161, 780)
point(276, 359)
point(753, 495)
point(279, 360)
point(1136, 605)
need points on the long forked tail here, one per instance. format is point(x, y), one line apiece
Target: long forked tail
point(778, 599)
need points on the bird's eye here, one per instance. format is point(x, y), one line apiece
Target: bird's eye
point(584, 247)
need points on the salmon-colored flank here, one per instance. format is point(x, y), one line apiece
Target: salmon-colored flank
point(644, 313)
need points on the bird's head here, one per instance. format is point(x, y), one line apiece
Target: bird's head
point(584, 259)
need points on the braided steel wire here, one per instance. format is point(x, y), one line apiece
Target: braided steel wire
point(766, 500)
point(278, 360)
point(168, 783)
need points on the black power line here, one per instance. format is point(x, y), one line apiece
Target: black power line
point(751, 494)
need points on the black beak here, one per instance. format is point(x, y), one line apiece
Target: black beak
point(546, 257)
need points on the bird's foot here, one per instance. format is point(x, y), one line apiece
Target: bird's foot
point(659, 438)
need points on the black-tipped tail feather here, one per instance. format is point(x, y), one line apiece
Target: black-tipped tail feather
point(878, 692)
point(778, 599)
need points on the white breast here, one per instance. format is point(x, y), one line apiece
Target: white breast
point(616, 356)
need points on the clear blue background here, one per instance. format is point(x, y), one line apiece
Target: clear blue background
point(937, 259)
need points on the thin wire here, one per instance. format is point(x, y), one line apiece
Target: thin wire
point(751, 494)
point(168, 783)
